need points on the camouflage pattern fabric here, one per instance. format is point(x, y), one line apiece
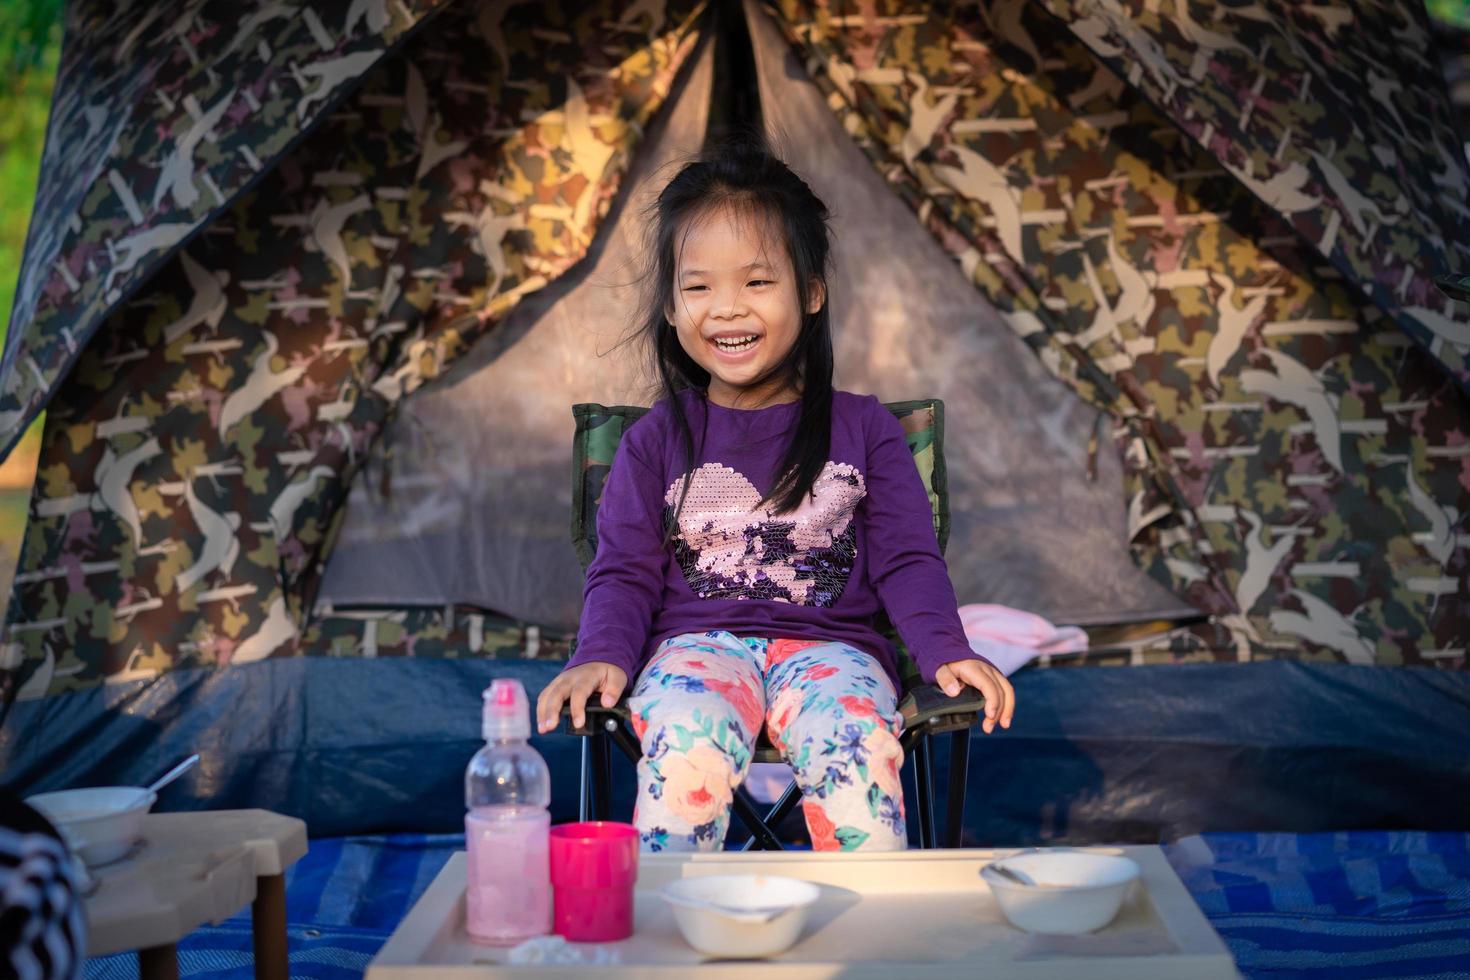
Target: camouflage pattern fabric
point(407, 631)
point(194, 463)
point(162, 114)
point(1296, 466)
point(1335, 115)
point(416, 631)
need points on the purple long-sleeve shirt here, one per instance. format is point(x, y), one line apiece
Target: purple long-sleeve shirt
point(865, 542)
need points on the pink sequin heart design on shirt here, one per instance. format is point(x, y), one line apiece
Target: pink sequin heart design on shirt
point(729, 548)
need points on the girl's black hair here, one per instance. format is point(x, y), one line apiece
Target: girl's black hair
point(740, 172)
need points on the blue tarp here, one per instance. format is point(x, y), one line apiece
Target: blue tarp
point(1136, 754)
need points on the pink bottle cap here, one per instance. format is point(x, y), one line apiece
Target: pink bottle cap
point(507, 710)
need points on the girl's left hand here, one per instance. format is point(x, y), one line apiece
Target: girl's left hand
point(1000, 697)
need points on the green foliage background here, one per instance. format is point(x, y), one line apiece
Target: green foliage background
point(1454, 11)
point(30, 41)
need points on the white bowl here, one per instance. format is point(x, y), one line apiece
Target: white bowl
point(1075, 891)
point(735, 929)
point(99, 823)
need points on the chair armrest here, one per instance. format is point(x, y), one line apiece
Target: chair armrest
point(596, 716)
point(927, 706)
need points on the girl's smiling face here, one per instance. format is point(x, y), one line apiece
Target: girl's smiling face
point(736, 309)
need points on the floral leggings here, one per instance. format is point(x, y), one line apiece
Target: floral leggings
point(828, 708)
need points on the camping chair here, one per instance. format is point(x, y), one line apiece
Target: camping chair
point(927, 711)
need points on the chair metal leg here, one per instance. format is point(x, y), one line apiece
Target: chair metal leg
point(746, 811)
point(624, 740)
point(584, 790)
point(606, 776)
point(777, 813)
point(785, 804)
point(601, 776)
point(924, 791)
point(959, 777)
point(597, 784)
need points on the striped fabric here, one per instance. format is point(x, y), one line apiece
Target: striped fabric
point(1325, 906)
point(42, 932)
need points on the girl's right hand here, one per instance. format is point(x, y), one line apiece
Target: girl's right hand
point(577, 684)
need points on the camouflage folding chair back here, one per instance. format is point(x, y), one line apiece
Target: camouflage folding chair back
point(926, 710)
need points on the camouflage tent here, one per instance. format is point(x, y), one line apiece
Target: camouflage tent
point(258, 234)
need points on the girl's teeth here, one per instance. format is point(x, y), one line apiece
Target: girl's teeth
point(742, 345)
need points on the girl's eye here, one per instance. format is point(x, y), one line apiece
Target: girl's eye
point(760, 282)
point(690, 289)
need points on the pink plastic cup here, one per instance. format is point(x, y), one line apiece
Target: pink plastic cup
point(593, 868)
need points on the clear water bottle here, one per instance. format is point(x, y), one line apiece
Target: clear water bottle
point(507, 791)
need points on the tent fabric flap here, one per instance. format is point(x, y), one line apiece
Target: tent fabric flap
point(1293, 461)
point(162, 115)
point(1336, 116)
point(193, 468)
point(475, 467)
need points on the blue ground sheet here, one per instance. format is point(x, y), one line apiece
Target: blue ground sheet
point(1324, 905)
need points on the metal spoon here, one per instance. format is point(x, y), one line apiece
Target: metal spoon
point(174, 773)
point(745, 915)
point(1011, 874)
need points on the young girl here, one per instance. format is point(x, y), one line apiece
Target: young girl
point(738, 571)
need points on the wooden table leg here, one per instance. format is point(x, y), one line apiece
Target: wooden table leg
point(158, 963)
point(268, 928)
